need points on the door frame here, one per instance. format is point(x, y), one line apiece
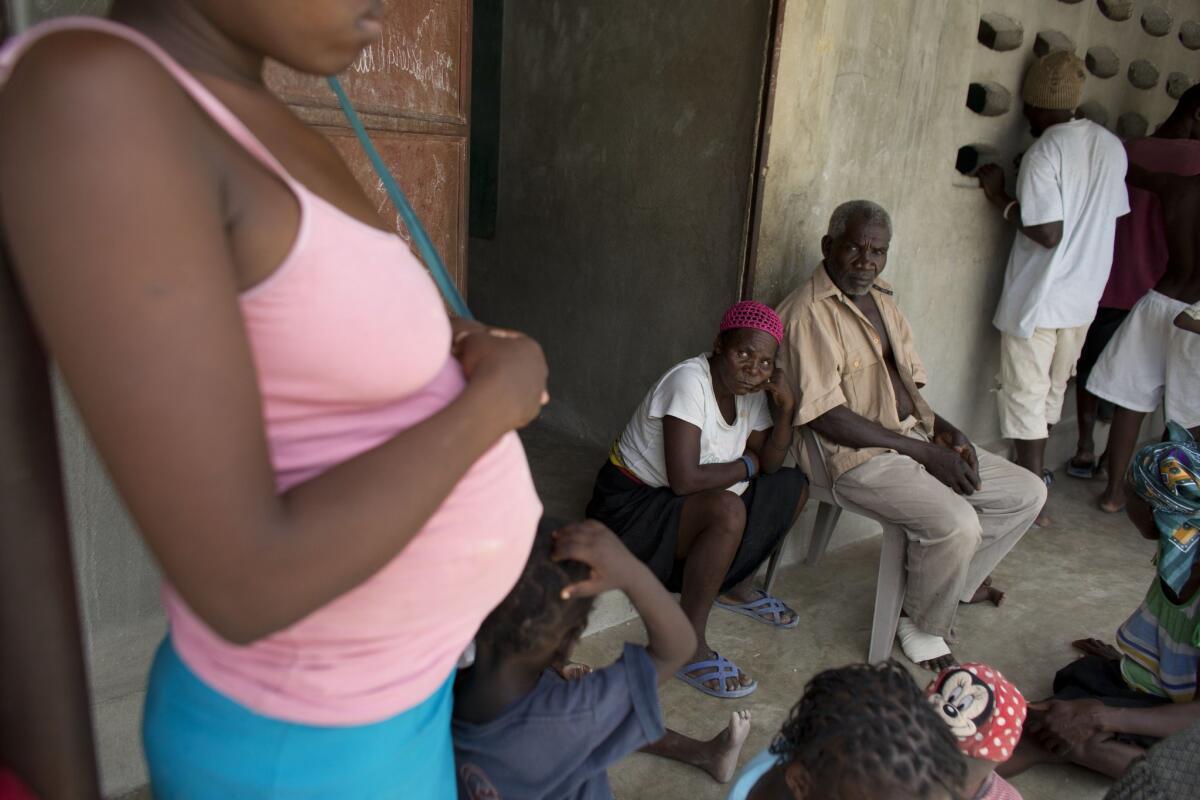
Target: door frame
point(762, 148)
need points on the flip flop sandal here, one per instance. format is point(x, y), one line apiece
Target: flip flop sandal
point(1085, 470)
point(918, 645)
point(1047, 478)
point(719, 669)
point(762, 607)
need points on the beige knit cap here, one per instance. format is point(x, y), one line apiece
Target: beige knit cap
point(1055, 81)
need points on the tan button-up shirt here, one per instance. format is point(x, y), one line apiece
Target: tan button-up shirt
point(833, 356)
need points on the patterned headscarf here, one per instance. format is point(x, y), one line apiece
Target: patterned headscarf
point(752, 314)
point(1165, 476)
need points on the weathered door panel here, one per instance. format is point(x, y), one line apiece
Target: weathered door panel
point(432, 170)
point(412, 90)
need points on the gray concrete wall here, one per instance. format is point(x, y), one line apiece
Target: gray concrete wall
point(871, 103)
point(627, 136)
point(117, 581)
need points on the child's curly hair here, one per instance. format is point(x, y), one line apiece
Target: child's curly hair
point(871, 725)
point(534, 616)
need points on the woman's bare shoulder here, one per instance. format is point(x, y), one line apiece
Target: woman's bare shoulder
point(70, 73)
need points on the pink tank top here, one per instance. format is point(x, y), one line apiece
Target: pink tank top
point(352, 345)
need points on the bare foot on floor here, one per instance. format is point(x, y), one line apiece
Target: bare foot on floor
point(1110, 504)
point(987, 593)
point(939, 664)
point(922, 648)
point(1095, 647)
point(722, 750)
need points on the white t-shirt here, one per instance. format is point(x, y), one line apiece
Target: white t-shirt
point(686, 392)
point(1074, 173)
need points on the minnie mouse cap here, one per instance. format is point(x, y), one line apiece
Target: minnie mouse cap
point(985, 712)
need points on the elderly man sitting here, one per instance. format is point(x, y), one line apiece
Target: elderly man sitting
point(849, 352)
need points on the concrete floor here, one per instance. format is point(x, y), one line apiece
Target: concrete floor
point(1079, 577)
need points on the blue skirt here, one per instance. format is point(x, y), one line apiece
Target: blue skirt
point(201, 744)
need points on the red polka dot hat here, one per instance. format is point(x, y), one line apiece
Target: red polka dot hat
point(985, 712)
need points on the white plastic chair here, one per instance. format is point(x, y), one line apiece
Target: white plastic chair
point(890, 583)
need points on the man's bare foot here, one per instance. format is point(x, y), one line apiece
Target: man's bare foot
point(705, 653)
point(1095, 647)
point(923, 649)
point(987, 593)
point(939, 664)
point(721, 752)
point(1112, 503)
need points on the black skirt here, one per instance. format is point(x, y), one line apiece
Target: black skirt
point(646, 518)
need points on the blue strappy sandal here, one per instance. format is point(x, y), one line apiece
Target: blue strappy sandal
point(719, 669)
point(762, 607)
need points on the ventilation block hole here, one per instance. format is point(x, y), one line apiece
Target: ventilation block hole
point(1102, 61)
point(972, 156)
point(1156, 21)
point(1143, 74)
point(1117, 10)
point(1132, 125)
point(1189, 34)
point(1095, 112)
point(988, 99)
point(1052, 42)
point(1177, 84)
point(999, 32)
point(1070, 2)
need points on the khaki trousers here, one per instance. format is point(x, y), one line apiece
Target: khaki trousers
point(954, 541)
point(1033, 379)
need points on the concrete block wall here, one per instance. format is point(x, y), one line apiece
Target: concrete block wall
point(872, 101)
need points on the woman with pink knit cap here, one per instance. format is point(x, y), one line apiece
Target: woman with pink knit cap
point(694, 485)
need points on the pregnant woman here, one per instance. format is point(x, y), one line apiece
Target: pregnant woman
point(318, 458)
point(694, 486)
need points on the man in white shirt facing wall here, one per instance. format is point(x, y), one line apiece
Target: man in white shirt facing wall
point(1070, 191)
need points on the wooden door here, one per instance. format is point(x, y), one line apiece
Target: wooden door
point(412, 90)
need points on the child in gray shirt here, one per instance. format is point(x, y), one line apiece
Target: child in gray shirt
point(521, 731)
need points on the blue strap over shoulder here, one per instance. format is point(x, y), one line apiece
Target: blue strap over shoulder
point(420, 237)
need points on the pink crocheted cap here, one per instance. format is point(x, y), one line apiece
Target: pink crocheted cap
point(753, 314)
point(985, 711)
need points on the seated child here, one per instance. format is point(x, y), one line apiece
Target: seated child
point(1114, 703)
point(860, 731)
point(985, 713)
point(521, 730)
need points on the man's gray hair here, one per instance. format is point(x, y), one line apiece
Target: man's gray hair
point(868, 212)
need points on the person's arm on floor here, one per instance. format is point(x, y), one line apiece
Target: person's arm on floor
point(670, 637)
point(1062, 725)
point(685, 473)
point(772, 445)
point(843, 426)
point(1159, 722)
point(991, 179)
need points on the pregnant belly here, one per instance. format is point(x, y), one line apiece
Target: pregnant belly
point(384, 646)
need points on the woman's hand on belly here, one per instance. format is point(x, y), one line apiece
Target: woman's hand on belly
point(508, 367)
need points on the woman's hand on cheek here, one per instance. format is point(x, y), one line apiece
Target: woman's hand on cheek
point(779, 392)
